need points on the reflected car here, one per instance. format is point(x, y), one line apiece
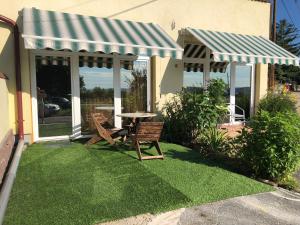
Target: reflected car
point(62, 102)
point(51, 108)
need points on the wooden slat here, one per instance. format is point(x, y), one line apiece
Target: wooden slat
point(99, 119)
point(148, 132)
point(153, 157)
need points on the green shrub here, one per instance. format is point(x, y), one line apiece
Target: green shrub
point(277, 102)
point(188, 113)
point(214, 140)
point(271, 144)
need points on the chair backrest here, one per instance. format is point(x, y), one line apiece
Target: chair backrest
point(99, 118)
point(149, 131)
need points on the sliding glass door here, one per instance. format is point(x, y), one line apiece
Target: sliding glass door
point(243, 87)
point(54, 96)
point(96, 95)
point(135, 85)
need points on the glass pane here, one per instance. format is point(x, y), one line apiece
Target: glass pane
point(192, 80)
point(54, 100)
point(225, 77)
point(243, 88)
point(96, 95)
point(134, 87)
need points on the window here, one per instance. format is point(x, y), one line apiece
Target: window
point(54, 97)
point(192, 80)
point(135, 87)
point(96, 95)
point(243, 87)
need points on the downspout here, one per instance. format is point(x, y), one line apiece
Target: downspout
point(15, 28)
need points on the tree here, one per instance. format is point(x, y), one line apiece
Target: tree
point(287, 37)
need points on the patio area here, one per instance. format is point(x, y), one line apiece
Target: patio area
point(67, 183)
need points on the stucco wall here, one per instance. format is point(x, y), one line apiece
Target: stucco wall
point(4, 122)
point(6, 90)
point(239, 16)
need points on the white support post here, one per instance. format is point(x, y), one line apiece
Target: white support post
point(232, 91)
point(117, 91)
point(206, 68)
point(252, 88)
point(34, 101)
point(75, 85)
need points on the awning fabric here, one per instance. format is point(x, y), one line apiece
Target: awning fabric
point(93, 61)
point(195, 51)
point(52, 60)
point(55, 30)
point(84, 61)
point(243, 48)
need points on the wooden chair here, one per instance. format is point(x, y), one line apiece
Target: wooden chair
point(148, 132)
point(103, 133)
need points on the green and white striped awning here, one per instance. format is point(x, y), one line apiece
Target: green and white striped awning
point(232, 47)
point(193, 51)
point(55, 30)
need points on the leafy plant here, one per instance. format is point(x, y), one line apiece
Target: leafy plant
point(275, 102)
point(214, 140)
point(271, 144)
point(187, 114)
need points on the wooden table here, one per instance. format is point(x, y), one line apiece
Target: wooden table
point(136, 117)
point(106, 108)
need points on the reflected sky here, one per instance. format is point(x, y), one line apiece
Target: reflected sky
point(103, 77)
point(191, 79)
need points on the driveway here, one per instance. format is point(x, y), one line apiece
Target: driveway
point(280, 207)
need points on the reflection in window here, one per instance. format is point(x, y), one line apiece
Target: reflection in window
point(134, 87)
point(54, 99)
point(226, 79)
point(192, 80)
point(96, 95)
point(243, 88)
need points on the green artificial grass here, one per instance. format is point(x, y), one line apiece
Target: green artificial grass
point(61, 183)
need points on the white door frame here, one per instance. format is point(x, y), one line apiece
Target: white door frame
point(117, 90)
point(34, 102)
point(232, 91)
point(147, 60)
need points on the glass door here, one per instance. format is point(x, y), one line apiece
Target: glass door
point(54, 96)
point(96, 95)
point(135, 87)
point(243, 88)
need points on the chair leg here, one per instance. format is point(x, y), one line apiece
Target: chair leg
point(151, 145)
point(138, 150)
point(156, 144)
point(94, 140)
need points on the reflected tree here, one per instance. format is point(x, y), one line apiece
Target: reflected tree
point(134, 98)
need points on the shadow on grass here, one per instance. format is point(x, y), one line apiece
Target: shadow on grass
point(212, 160)
point(192, 155)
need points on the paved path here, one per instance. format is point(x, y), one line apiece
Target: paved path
point(273, 208)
